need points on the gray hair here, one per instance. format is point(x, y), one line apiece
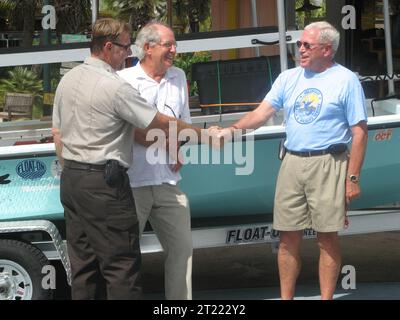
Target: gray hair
point(148, 34)
point(328, 33)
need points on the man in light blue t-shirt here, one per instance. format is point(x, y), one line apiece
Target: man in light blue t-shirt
point(324, 110)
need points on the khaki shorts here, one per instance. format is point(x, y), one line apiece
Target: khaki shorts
point(310, 193)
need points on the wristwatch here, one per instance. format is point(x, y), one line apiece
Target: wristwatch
point(353, 178)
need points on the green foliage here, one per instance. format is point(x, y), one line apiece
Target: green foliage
point(1, 99)
point(304, 18)
point(138, 12)
point(192, 13)
point(107, 9)
point(188, 15)
point(6, 5)
point(23, 80)
point(185, 61)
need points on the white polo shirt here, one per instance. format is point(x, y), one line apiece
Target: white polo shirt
point(169, 97)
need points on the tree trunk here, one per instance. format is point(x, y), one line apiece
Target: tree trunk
point(28, 12)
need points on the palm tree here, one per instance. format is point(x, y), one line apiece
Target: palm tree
point(5, 5)
point(22, 80)
point(139, 12)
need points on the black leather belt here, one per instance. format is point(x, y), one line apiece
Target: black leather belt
point(333, 149)
point(70, 164)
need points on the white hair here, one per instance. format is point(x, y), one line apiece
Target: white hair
point(327, 33)
point(148, 34)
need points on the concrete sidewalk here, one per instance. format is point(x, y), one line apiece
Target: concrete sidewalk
point(251, 272)
point(364, 291)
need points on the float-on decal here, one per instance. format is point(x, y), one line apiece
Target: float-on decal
point(31, 169)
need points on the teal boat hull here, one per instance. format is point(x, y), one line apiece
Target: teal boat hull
point(215, 190)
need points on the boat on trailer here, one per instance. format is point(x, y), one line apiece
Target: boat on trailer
point(231, 191)
point(236, 181)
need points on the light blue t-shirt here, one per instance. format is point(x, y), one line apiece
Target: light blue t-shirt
point(320, 107)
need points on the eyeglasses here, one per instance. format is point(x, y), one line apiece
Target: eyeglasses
point(168, 45)
point(125, 46)
point(306, 45)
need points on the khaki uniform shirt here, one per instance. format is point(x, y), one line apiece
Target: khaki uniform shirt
point(96, 111)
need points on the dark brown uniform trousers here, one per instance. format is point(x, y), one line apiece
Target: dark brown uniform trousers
point(102, 235)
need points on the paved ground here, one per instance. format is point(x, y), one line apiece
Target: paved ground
point(250, 272)
point(364, 291)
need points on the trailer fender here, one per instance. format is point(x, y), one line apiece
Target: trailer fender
point(45, 226)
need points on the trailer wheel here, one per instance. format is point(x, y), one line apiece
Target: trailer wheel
point(21, 271)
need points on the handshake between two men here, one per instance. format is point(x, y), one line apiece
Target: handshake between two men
point(170, 134)
point(214, 136)
point(220, 135)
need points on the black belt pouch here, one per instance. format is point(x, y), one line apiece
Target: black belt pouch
point(113, 173)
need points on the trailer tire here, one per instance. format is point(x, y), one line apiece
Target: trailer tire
point(21, 266)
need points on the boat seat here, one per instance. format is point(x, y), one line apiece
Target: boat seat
point(17, 106)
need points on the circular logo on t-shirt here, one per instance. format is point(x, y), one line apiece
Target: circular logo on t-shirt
point(308, 106)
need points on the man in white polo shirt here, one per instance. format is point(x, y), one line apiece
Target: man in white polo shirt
point(155, 186)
